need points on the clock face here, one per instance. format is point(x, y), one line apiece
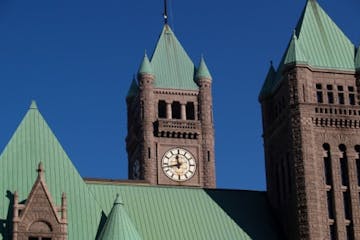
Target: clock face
point(178, 164)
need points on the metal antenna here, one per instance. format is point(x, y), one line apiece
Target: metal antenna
point(165, 12)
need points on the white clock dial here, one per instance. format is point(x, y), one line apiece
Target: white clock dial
point(178, 164)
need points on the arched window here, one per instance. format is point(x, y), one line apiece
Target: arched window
point(40, 230)
point(162, 109)
point(327, 164)
point(344, 166)
point(176, 110)
point(329, 182)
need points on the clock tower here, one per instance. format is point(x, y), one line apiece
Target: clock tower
point(170, 138)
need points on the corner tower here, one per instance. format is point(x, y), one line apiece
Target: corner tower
point(170, 138)
point(311, 130)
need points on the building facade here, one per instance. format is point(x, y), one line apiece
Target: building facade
point(311, 130)
point(170, 137)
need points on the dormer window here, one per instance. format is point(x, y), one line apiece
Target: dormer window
point(34, 222)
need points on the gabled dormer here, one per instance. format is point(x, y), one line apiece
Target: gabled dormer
point(38, 218)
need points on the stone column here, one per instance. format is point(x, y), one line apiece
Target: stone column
point(207, 127)
point(196, 111)
point(168, 110)
point(183, 111)
point(147, 146)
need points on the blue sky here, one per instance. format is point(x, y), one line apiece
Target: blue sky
point(76, 58)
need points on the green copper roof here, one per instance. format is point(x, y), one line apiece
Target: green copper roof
point(268, 84)
point(323, 42)
point(32, 142)
point(33, 105)
point(147, 212)
point(172, 66)
point(294, 52)
point(145, 66)
point(118, 225)
point(192, 213)
point(357, 59)
point(133, 90)
point(203, 71)
point(317, 42)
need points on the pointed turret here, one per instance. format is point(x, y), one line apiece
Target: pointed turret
point(357, 60)
point(267, 86)
point(133, 89)
point(172, 66)
point(332, 48)
point(317, 42)
point(203, 71)
point(145, 66)
point(33, 105)
point(294, 54)
point(118, 225)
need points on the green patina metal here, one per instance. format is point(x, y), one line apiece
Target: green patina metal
point(118, 225)
point(317, 42)
point(172, 66)
point(268, 84)
point(34, 142)
point(146, 212)
point(357, 59)
point(295, 54)
point(145, 66)
point(192, 213)
point(133, 89)
point(203, 71)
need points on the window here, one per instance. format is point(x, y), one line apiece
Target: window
point(330, 94)
point(162, 109)
point(351, 95)
point(344, 166)
point(332, 232)
point(330, 204)
point(347, 204)
point(176, 110)
point(327, 168)
point(349, 232)
point(357, 149)
point(341, 95)
point(319, 94)
point(190, 111)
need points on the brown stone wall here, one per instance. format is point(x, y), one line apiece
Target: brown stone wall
point(301, 129)
point(147, 131)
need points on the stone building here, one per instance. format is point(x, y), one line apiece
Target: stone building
point(310, 121)
point(310, 108)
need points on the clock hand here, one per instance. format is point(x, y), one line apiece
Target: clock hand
point(178, 165)
point(173, 165)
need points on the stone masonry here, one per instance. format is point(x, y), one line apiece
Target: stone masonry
point(311, 138)
point(150, 136)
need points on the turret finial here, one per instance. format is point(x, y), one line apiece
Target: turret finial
point(165, 12)
point(40, 170)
